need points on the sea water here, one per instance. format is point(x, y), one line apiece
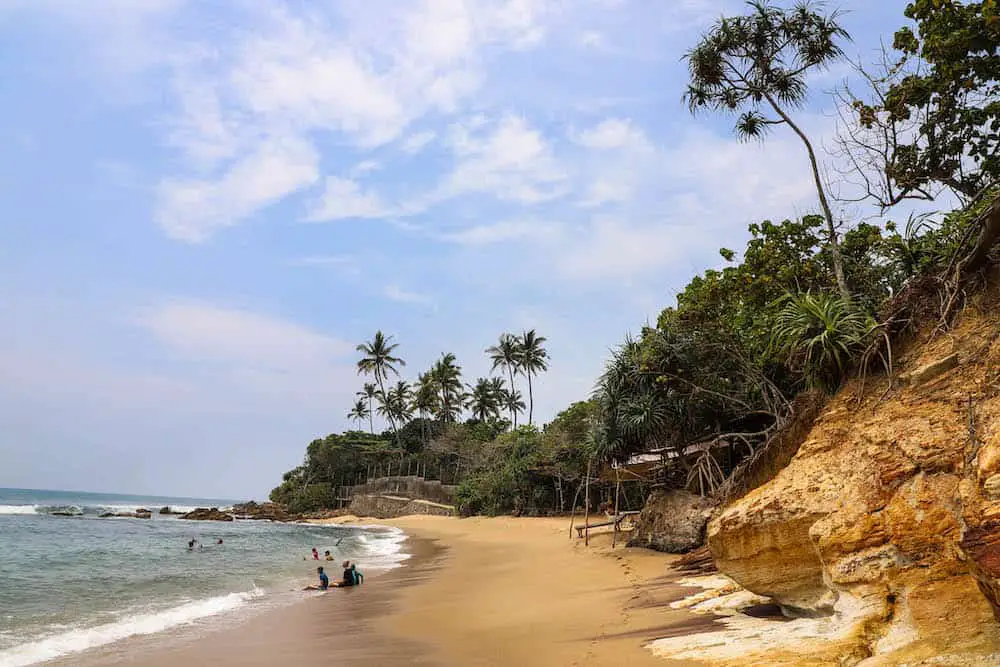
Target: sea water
point(69, 583)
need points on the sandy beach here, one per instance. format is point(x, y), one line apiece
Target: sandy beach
point(479, 591)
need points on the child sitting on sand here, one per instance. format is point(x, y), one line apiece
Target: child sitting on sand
point(324, 581)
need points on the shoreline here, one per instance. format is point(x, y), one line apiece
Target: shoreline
point(477, 591)
point(337, 626)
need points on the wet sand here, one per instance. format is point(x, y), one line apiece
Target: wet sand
point(477, 591)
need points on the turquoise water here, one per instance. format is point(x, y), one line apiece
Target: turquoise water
point(71, 583)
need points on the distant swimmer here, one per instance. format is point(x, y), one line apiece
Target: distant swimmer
point(219, 541)
point(193, 544)
point(327, 556)
point(315, 554)
point(324, 581)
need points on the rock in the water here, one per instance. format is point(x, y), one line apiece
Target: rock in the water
point(672, 521)
point(261, 511)
point(166, 510)
point(207, 514)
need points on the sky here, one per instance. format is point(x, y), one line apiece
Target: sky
point(207, 206)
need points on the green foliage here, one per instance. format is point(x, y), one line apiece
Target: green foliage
point(820, 334)
point(954, 90)
point(502, 484)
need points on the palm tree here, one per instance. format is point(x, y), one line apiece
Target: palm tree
point(483, 400)
point(379, 361)
point(397, 403)
point(360, 412)
point(368, 393)
point(448, 380)
point(513, 402)
point(504, 354)
point(425, 401)
point(532, 359)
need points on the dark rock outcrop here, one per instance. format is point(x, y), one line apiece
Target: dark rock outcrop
point(673, 521)
point(207, 514)
point(169, 512)
point(261, 511)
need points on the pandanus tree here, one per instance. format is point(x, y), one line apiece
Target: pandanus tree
point(756, 65)
point(505, 355)
point(379, 361)
point(368, 393)
point(360, 412)
point(532, 359)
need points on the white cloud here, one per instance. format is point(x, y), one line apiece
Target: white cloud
point(323, 260)
point(204, 332)
point(614, 133)
point(397, 293)
point(513, 162)
point(365, 166)
point(507, 231)
point(610, 249)
point(191, 210)
point(344, 199)
point(415, 143)
point(592, 39)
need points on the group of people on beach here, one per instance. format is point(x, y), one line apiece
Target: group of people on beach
point(352, 575)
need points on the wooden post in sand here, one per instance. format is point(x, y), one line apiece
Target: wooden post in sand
point(618, 483)
point(572, 510)
point(586, 509)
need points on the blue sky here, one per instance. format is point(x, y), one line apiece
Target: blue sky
point(206, 206)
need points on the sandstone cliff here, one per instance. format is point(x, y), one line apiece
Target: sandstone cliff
point(888, 515)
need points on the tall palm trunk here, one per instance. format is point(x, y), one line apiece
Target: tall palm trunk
point(531, 399)
point(513, 389)
point(371, 417)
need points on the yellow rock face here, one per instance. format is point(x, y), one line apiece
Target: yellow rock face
point(890, 510)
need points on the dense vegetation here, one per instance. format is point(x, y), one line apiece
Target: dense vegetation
point(804, 305)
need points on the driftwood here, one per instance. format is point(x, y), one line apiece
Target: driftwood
point(699, 561)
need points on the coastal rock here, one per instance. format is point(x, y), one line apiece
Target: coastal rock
point(889, 512)
point(207, 514)
point(673, 521)
point(261, 511)
point(166, 510)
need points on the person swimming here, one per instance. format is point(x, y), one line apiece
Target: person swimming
point(327, 556)
point(219, 541)
point(193, 544)
point(324, 581)
point(315, 554)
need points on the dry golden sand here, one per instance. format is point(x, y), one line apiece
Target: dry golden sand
point(520, 592)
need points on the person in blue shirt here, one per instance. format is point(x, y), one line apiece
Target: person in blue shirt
point(324, 581)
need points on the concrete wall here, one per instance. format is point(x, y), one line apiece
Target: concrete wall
point(389, 507)
point(413, 487)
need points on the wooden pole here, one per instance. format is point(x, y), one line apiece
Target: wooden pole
point(572, 510)
point(586, 509)
point(618, 483)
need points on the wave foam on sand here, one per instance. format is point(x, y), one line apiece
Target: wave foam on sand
point(76, 640)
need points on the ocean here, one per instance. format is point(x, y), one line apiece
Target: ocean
point(69, 583)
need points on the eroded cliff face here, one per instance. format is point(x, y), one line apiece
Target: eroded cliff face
point(889, 514)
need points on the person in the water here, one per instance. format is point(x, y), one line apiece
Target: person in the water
point(193, 544)
point(315, 554)
point(359, 577)
point(327, 556)
point(219, 541)
point(324, 581)
point(348, 579)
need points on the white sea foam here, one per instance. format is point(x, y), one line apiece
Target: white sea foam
point(384, 546)
point(18, 509)
point(79, 639)
point(85, 510)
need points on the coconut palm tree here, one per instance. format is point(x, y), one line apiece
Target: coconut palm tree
point(483, 400)
point(425, 401)
point(448, 380)
point(368, 393)
point(504, 355)
point(397, 405)
point(360, 412)
point(512, 401)
point(378, 361)
point(532, 359)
